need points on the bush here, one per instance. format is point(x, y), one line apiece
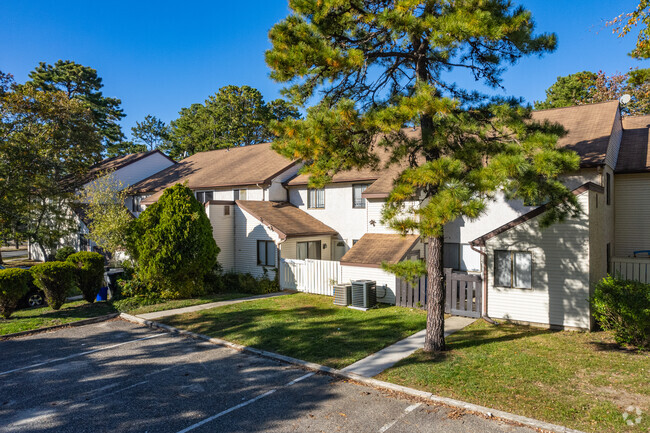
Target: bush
point(14, 284)
point(63, 253)
point(55, 279)
point(172, 244)
point(90, 273)
point(246, 283)
point(623, 307)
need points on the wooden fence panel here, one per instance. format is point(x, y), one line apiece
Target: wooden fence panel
point(631, 268)
point(310, 276)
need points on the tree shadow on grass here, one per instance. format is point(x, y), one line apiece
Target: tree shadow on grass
point(467, 338)
point(83, 311)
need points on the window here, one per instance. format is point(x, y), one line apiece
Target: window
point(451, 255)
point(204, 196)
point(608, 188)
point(266, 253)
point(308, 250)
point(358, 202)
point(513, 269)
point(240, 194)
point(608, 256)
point(316, 199)
point(354, 241)
point(226, 210)
point(135, 204)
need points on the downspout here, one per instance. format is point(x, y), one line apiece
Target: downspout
point(484, 316)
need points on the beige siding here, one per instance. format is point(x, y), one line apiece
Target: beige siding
point(223, 231)
point(560, 273)
point(248, 230)
point(614, 141)
point(385, 282)
point(632, 192)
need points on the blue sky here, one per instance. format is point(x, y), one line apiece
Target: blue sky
point(158, 57)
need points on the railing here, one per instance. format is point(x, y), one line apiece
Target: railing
point(310, 276)
point(631, 268)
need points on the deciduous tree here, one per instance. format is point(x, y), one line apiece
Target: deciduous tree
point(151, 133)
point(377, 66)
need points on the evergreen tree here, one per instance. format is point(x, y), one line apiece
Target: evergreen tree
point(381, 65)
point(151, 133)
point(82, 84)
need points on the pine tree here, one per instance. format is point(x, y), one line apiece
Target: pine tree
point(379, 66)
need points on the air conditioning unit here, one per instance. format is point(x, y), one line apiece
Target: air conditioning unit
point(342, 294)
point(364, 294)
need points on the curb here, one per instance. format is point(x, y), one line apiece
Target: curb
point(374, 383)
point(55, 327)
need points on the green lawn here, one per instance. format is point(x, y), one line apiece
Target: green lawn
point(579, 380)
point(35, 318)
point(307, 327)
point(127, 306)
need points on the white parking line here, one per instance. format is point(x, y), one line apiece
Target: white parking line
point(246, 403)
point(76, 355)
point(408, 410)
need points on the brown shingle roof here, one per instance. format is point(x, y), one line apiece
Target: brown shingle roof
point(238, 166)
point(589, 128)
point(109, 165)
point(634, 155)
point(285, 219)
point(375, 248)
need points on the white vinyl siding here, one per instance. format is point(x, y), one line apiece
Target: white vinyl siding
point(223, 231)
point(560, 272)
point(248, 230)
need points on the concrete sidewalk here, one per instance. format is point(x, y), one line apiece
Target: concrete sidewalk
point(159, 314)
point(377, 362)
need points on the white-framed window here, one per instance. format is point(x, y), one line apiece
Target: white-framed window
point(358, 202)
point(136, 205)
point(513, 269)
point(316, 198)
point(240, 194)
point(204, 196)
point(266, 251)
point(308, 250)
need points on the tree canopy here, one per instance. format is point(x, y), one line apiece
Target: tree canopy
point(45, 138)
point(592, 87)
point(625, 22)
point(377, 66)
point(234, 116)
point(151, 133)
point(82, 83)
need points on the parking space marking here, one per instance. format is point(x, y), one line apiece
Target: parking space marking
point(408, 410)
point(76, 355)
point(118, 390)
point(243, 404)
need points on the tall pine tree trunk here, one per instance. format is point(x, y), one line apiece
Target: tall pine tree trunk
point(435, 336)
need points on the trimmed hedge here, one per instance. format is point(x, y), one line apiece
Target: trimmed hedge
point(623, 306)
point(55, 279)
point(90, 273)
point(14, 284)
point(63, 253)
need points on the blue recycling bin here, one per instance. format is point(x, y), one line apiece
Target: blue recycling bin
point(103, 294)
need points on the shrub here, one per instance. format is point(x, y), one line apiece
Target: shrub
point(172, 244)
point(63, 253)
point(90, 273)
point(623, 307)
point(247, 283)
point(14, 284)
point(55, 279)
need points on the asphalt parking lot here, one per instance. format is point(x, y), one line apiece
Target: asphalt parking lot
point(116, 376)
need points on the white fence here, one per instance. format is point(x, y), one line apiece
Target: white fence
point(311, 276)
point(632, 268)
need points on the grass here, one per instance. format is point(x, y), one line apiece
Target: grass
point(127, 305)
point(35, 318)
point(307, 327)
point(575, 379)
